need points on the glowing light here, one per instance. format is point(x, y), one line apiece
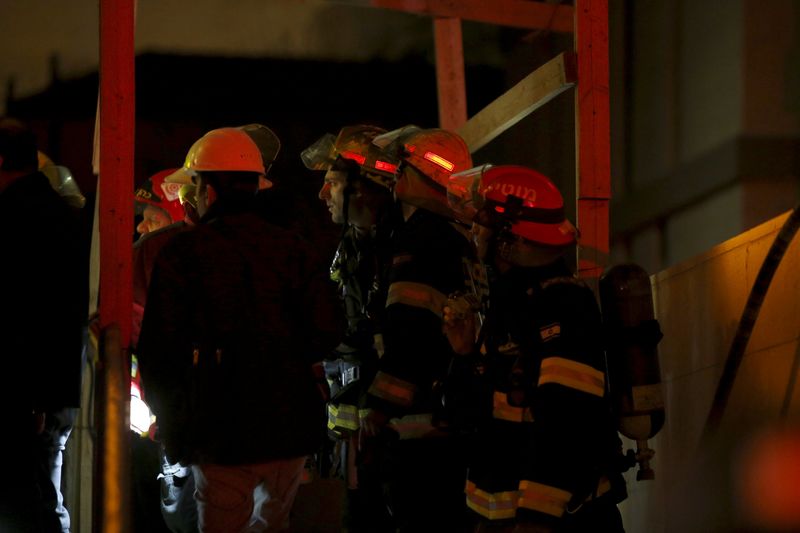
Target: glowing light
point(386, 167)
point(500, 209)
point(439, 160)
point(358, 158)
point(141, 417)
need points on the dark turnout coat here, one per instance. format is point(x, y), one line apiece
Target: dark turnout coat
point(237, 310)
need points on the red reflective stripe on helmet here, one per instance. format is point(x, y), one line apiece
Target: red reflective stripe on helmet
point(393, 389)
point(492, 505)
point(358, 158)
point(572, 374)
point(386, 167)
point(543, 498)
point(439, 160)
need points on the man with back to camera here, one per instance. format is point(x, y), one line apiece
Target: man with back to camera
point(236, 311)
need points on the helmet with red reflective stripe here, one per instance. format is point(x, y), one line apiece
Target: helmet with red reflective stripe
point(353, 143)
point(156, 192)
point(428, 157)
point(518, 199)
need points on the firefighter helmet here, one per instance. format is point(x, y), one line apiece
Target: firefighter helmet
point(61, 180)
point(518, 199)
point(356, 144)
point(268, 144)
point(157, 192)
point(428, 157)
point(224, 150)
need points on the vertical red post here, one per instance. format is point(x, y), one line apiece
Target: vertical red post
point(593, 136)
point(450, 85)
point(117, 125)
point(117, 122)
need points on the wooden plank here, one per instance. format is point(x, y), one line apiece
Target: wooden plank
point(514, 13)
point(535, 90)
point(450, 85)
point(592, 135)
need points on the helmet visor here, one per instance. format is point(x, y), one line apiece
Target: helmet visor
point(321, 154)
point(464, 192)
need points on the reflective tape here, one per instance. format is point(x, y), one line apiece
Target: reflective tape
point(543, 498)
point(393, 389)
point(494, 506)
point(572, 374)
point(343, 416)
point(552, 331)
point(416, 295)
point(503, 411)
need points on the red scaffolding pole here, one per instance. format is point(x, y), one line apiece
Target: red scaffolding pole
point(116, 137)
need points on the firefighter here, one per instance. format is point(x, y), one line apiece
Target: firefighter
point(357, 191)
point(157, 201)
point(235, 308)
point(430, 257)
point(545, 453)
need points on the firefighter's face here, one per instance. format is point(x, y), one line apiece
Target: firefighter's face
point(332, 193)
point(153, 218)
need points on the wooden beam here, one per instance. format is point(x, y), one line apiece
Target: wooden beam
point(450, 85)
point(535, 90)
point(514, 13)
point(592, 136)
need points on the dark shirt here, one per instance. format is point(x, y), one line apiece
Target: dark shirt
point(237, 311)
point(44, 303)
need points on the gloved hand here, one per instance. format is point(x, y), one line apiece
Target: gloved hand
point(458, 322)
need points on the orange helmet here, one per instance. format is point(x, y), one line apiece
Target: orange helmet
point(517, 199)
point(354, 143)
point(155, 191)
point(224, 150)
point(427, 159)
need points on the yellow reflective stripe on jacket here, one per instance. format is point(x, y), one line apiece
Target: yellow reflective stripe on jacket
point(504, 411)
point(543, 498)
point(416, 295)
point(494, 506)
point(393, 389)
point(572, 374)
point(343, 416)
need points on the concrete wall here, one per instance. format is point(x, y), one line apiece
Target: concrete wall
point(698, 303)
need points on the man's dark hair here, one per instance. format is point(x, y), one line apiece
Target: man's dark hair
point(232, 185)
point(17, 146)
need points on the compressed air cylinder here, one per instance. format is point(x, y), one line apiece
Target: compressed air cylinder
point(632, 336)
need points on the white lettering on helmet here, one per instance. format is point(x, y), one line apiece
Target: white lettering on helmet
point(528, 194)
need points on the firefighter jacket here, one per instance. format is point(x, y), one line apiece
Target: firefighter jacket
point(44, 302)
point(359, 268)
point(550, 439)
point(236, 310)
point(429, 257)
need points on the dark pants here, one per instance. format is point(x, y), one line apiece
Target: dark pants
point(30, 494)
point(425, 480)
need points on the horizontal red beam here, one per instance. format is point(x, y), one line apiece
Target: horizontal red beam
point(515, 13)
